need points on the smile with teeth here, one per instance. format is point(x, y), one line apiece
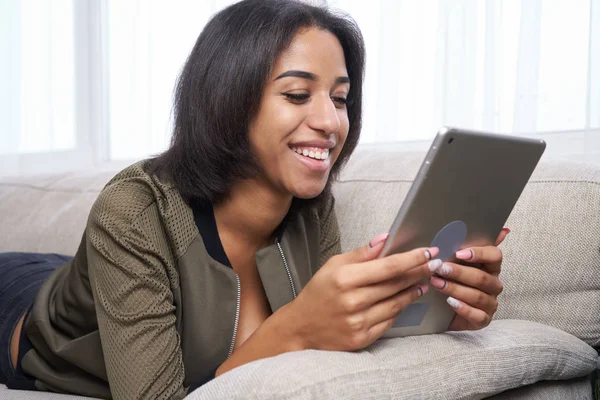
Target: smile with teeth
point(312, 152)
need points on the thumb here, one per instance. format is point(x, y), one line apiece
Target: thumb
point(365, 253)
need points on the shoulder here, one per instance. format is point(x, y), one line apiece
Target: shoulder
point(323, 228)
point(129, 195)
point(320, 211)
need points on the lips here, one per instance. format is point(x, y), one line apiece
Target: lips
point(312, 164)
point(316, 153)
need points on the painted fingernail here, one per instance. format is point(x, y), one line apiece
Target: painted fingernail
point(505, 229)
point(453, 303)
point(378, 239)
point(437, 282)
point(431, 252)
point(422, 289)
point(435, 264)
point(466, 254)
point(444, 270)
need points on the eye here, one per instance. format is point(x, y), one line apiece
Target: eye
point(340, 101)
point(297, 98)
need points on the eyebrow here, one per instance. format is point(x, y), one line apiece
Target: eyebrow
point(309, 76)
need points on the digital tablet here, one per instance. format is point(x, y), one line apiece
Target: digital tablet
point(462, 196)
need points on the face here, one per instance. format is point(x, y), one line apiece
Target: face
point(302, 122)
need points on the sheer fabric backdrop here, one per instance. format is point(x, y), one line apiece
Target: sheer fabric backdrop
point(515, 66)
point(83, 83)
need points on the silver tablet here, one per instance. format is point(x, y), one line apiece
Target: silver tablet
point(462, 196)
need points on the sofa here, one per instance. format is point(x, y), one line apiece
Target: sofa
point(542, 343)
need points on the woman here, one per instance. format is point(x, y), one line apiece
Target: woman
point(225, 249)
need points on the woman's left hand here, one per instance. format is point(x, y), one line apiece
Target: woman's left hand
point(472, 290)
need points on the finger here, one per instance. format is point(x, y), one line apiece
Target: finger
point(476, 317)
point(471, 276)
point(376, 331)
point(393, 266)
point(489, 256)
point(471, 296)
point(364, 253)
point(392, 306)
point(364, 297)
point(501, 236)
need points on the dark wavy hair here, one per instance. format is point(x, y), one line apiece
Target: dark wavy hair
point(220, 88)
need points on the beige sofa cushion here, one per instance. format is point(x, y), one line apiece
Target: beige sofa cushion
point(551, 270)
point(578, 388)
point(48, 214)
point(552, 258)
point(466, 365)
point(457, 365)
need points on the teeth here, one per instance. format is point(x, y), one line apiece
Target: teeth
point(318, 155)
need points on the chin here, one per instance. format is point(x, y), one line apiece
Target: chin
point(308, 192)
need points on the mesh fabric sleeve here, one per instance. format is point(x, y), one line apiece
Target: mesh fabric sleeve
point(131, 275)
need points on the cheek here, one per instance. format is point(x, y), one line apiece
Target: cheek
point(275, 125)
point(269, 136)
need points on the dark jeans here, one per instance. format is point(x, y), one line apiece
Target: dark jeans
point(21, 275)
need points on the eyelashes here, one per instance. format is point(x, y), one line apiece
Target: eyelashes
point(297, 98)
point(340, 100)
point(301, 98)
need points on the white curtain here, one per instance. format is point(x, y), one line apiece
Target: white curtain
point(36, 76)
point(516, 66)
point(86, 82)
point(37, 89)
point(148, 42)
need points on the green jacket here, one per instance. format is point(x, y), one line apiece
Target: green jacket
point(143, 306)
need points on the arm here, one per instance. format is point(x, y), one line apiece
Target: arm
point(127, 261)
point(344, 307)
point(272, 337)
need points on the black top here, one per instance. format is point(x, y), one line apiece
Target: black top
point(204, 217)
point(20, 380)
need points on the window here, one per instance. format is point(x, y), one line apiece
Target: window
point(515, 66)
point(84, 83)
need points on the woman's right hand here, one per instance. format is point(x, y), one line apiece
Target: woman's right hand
point(355, 297)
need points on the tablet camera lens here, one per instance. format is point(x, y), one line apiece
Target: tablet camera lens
point(451, 140)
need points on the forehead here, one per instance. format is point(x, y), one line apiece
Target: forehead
point(313, 50)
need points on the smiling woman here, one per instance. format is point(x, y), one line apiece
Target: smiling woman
point(280, 79)
point(225, 248)
point(303, 112)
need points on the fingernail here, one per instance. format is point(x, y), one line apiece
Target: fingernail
point(378, 239)
point(422, 290)
point(444, 270)
point(453, 302)
point(431, 252)
point(506, 230)
point(465, 254)
point(435, 264)
point(437, 282)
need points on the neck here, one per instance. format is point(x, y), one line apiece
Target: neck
point(251, 213)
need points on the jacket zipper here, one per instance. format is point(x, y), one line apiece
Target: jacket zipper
point(237, 314)
point(239, 292)
point(287, 269)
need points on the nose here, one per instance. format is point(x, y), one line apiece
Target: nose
point(324, 116)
